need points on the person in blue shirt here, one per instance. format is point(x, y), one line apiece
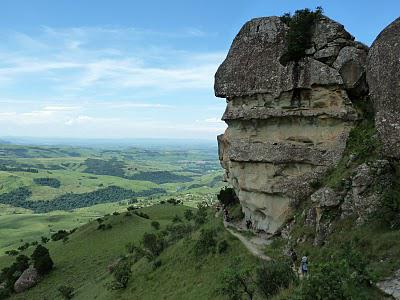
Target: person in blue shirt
point(304, 265)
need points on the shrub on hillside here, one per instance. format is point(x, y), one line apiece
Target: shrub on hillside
point(188, 214)
point(272, 276)
point(131, 208)
point(178, 231)
point(142, 214)
point(122, 273)
point(153, 243)
point(176, 219)
point(223, 246)
point(44, 239)
point(173, 201)
point(24, 247)
point(59, 235)
point(12, 252)
point(9, 275)
point(236, 281)
point(206, 243)
point(42, 260)
point(390, 209)
point(201, 215)
point(155, 225)
point(67, 292)
point(341, 275)
point(156, 264)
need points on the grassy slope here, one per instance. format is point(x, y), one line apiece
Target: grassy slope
point(82, 262)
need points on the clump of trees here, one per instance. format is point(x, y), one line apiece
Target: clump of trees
point(66, 291)
point(42, 260)
point(59, 235)
point(155, 225)
point(9, 275)
point(52, 182)
point(299, 36)
point(142, 214)
point(239, 280)
point(206, 243)
point(19, 197)
point(122, 273)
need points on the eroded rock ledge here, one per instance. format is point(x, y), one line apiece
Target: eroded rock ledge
point(287, 124)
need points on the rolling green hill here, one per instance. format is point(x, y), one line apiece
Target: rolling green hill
point(82, 261)
point(77, 184)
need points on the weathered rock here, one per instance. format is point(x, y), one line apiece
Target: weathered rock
point(364, 195)
point(260, 43)
point(29, 278)
point(325, 197)
point(287, 124)
point(327, 30)
point(391, 286)
point(311, 217)
point(351, 63)
point(383, 73)
point(327, 55)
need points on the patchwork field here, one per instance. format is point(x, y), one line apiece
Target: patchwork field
point(44, 189)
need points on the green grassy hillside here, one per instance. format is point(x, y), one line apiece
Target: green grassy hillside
point(82, 261)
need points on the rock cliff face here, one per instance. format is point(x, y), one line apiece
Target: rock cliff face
point(383, 78)
point(287, 124)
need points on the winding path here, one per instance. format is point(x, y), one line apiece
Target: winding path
point(254, 245)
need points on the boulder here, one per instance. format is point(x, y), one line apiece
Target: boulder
point(350, 63)
point(325, 197)
point(363, 197)
point(29, 278)
point(391, 286)
point(383, 75)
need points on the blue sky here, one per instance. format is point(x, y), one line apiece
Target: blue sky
point(126, 69)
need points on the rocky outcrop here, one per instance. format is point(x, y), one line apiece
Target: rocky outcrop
point(383, 73)
point(360, 196)
point(391, 286)
point(287, 124)
point(364, 189)
point(29, 278)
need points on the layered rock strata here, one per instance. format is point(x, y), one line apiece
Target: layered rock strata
point(287, 124)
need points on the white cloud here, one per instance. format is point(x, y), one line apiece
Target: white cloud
point(214, 120)
point(139, 105)
point(92, 72)
point(61, 108)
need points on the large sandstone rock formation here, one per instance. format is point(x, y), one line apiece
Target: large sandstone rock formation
point(287, 124)
point(383, 78)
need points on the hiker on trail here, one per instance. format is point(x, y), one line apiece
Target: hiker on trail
point(248, 224)
point(293, 257)
point(304, 266)
point(226, 215)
